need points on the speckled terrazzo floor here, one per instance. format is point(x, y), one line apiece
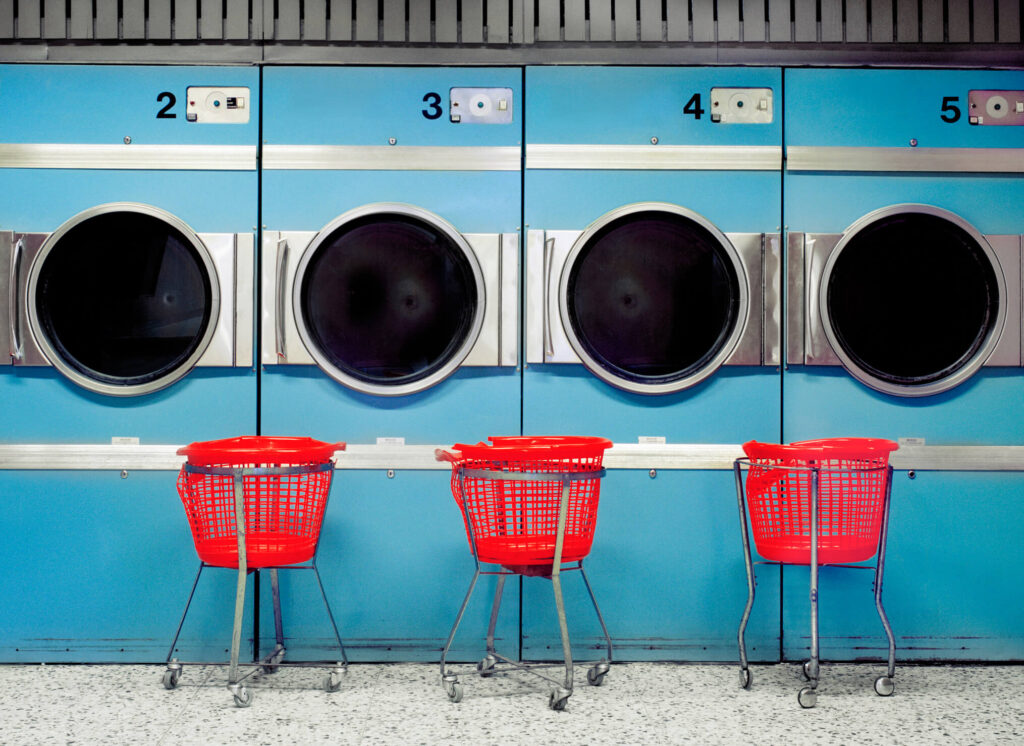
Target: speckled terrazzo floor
point(405, 704)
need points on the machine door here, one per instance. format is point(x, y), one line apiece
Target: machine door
point(913, 300)
point(388, 299)
point(123, 299)
point(653, 298)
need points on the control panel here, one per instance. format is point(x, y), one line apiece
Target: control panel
point(207, 105)
point(742, 105)
point(480, 105)
point(996, 107)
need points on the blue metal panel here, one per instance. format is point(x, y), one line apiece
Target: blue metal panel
point(366, 106)
point(98, 568)
point(395, 564)
point(951, 583)
point(630, 105)
point(472, 201)
point(667, 570)
point(104, 104)
point(948, 586)
point(666, 565)
point(888, 108)
point(390, 603)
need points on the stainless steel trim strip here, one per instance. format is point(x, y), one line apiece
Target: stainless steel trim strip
point(131, 157)
point(942, 160)
point(391, 158)
point(655, 157)
point(673, 456)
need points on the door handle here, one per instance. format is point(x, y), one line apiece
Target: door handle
point(279, 325)
point(14, 304)
point(549, 345)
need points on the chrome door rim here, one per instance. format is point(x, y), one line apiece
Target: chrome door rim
point(963, 372)
point(73, 374)
point(715, 362)
point(452, 363)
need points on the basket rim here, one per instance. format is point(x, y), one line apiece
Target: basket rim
point(534, 447)
point(259, 449)
point(822, 448)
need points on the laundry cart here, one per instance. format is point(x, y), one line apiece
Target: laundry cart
point(529, 505)
point(817, 502)
point(256, 503)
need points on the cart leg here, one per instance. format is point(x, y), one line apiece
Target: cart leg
point(556, 585)
point(884, 685)
point(451, 679)
point(191, 595)
point(240, 693)
point(330, 616)
point(744, 666)
point(563, 627)
point(808, 696)
point(597, 609)
point(499, 589)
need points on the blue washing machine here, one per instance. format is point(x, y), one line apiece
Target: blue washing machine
point(127, 257)
point(905, 207)
point(391, 204)
point(652, 200)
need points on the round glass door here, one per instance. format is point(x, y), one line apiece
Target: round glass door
point(911, 300)
point(389, 299)
point(122, 298)
point(651, 298)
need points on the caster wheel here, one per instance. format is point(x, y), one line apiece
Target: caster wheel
point(243, 698)
point(884, 686)
point(807, 698)
point(454, 690)
point(171, 677)
point(275, 661)
point(745, 678)
point(332, 682)
point(485, 667)
point(596, 674)
point(558, 699)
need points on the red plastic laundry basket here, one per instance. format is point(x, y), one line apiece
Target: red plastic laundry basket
point(514, 523)
point(851, 496)
point(283, 512)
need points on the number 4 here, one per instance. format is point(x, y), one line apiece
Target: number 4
point(693, 106)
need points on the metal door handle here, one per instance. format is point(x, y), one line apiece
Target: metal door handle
point(282, 264)
point(14, 305)
point(549, 346)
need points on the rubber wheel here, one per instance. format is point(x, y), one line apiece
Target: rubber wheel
point(171, 679)
point(595, 677)
point(243, 698)
point(745, 678)
point(884, 686)
point(485, 667)
point(331, 683)
point(556, 702)
point(807, 697)
point(454, 690)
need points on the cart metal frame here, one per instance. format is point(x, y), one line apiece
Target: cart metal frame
point(808, 696)
point(270, 663)
point(562, 690)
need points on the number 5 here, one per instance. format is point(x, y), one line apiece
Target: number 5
point(950, 111)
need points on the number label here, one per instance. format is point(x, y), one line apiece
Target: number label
point(433, 102)
point(693, 106)
point(166, 113)
point(950, 110)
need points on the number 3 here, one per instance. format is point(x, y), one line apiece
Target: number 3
point(433, 100)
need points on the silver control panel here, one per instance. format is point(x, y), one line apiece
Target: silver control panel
point(742, 105)
point(480, 105)
point(206, 105)
point(996, 107)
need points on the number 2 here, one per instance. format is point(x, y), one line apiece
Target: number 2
point(165, 113)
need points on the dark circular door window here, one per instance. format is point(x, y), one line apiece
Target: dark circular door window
point(912, 300)
point(652, 298)
point(122, 299)
point(389, 299)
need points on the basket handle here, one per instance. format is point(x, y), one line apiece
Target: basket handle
point(452, 457)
